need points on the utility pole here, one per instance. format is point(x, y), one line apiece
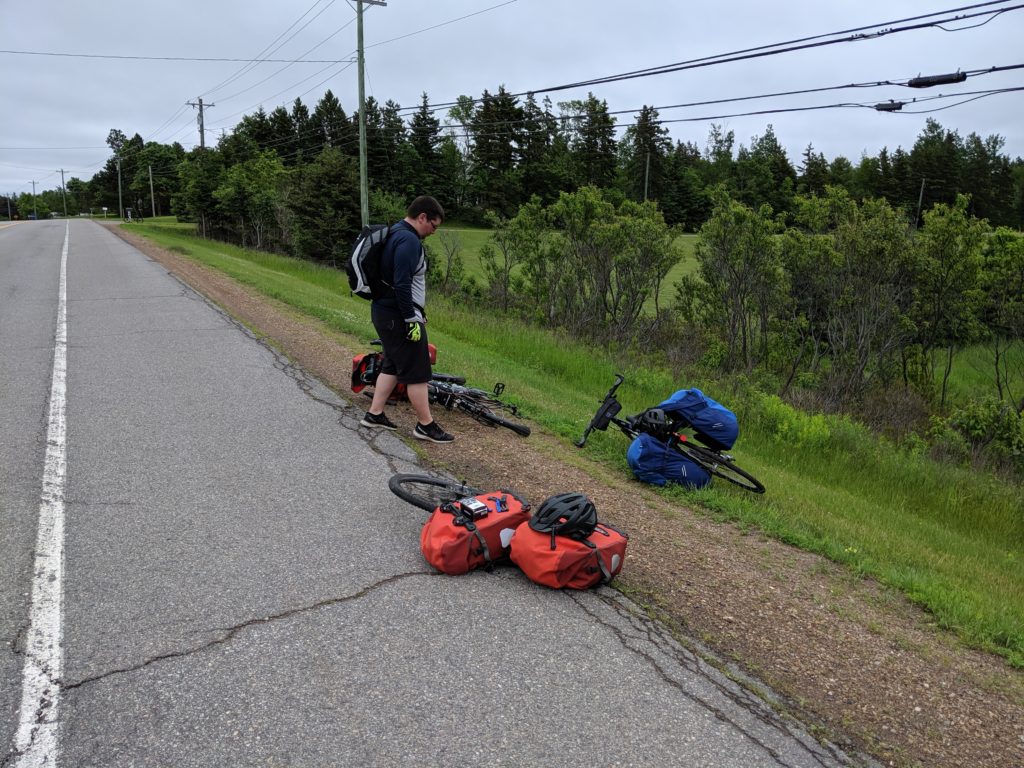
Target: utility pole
point(364, 191)
point(35, 210)
point(920, 199)
point(202, 129)
point(647, 174)
point(152, 197)
point(63, 193)
point(120, 204)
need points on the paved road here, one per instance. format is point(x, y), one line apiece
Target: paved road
point(238, 587)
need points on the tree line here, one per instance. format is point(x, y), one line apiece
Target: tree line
point(283, 180)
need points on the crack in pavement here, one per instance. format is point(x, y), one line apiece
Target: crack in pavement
point(348, 414)
point(659, 638)
point(229, 633)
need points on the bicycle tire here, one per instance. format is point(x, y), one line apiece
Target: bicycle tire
point(485, 415)
point(720, 466)
point(429, 492)
point(448, 378)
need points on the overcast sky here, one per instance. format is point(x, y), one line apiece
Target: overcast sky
point(56, 110)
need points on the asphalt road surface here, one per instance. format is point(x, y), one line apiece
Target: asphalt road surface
point(224, 579)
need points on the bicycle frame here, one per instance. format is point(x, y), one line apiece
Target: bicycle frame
point(715, 462)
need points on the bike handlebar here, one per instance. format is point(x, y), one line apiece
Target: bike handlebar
point(605, 414)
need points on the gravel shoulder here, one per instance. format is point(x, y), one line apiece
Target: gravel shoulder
point(857, 662)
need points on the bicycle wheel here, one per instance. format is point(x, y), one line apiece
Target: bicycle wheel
point(485, 415)
point(429, 492)
point(719, 466)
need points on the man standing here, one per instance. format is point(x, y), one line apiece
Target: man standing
point(400, 320)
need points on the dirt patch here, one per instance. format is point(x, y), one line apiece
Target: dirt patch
point(857, 662)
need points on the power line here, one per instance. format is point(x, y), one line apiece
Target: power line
point(167, 58)
point(852, 35)
point(268, 50)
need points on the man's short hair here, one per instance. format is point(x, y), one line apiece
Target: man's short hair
point(425, 204)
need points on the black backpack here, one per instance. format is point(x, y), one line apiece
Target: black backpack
point(363, 268)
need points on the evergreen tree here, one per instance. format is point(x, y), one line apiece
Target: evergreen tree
point(814, 173)
point(718, 155)
point(497, 129)
point(424, 137)
point(309, 141)
point(284, 140)
point(538, 161)
point(644, 148)
point(332, 124)
point(935, 161)
point(325, 207)
point(591, 140)
point(684, 201)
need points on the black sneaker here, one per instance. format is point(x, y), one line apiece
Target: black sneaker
point(379, 420)
point(432, 432)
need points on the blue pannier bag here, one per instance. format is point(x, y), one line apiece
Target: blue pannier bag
point(654, 462)
point(713, 424)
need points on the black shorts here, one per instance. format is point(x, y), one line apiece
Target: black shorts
point(408, 360)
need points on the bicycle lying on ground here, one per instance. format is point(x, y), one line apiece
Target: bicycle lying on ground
point(366, 368)
point(429, 492)
point(445, 389)
point(668, 430)
point(482, 406)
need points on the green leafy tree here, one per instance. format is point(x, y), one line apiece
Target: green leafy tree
point(249, 194)
point(513, 242)
point(156, 177)
point(1002, 289)
point(948, 293)
point(738, 279)
point(199, 174)
point(323, 201)
point(869, 295)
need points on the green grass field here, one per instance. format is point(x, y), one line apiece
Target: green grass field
point(952, 540)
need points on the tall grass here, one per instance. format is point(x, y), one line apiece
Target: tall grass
point(973, 373)
point(950, 539)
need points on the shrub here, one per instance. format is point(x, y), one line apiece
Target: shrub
point(994, 433)
point(786, 424)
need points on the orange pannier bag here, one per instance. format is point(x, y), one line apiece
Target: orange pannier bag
point(560, 561)
point(473, 532)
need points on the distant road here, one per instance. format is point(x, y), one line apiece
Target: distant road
point(234, 585)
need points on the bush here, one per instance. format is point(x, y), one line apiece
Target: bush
point(993, 431)
point(786, 424)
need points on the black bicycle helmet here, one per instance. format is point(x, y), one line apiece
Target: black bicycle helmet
point(567, 514)
point(654, 421)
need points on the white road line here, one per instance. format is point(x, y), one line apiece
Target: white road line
point(36, 740)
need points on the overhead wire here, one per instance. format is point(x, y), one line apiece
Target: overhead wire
point(268, 49)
